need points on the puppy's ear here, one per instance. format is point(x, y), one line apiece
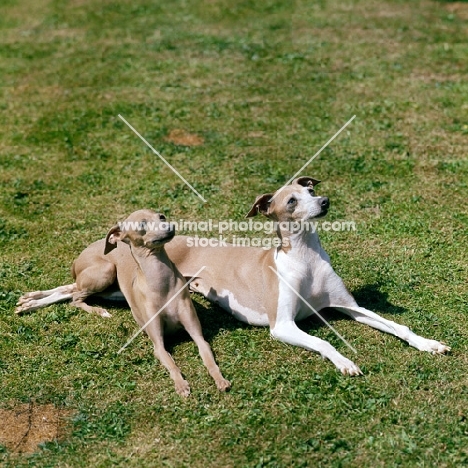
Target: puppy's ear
point(261, 205)
point(306, 181)
point(115, 234)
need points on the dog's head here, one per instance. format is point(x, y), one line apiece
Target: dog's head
point(291, 203)
point(143, 228)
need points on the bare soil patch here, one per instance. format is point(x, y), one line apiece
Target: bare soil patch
point(25, 426)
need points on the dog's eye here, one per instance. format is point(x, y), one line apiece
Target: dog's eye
point(291, 201)
point(312, 192)
point(162, 217)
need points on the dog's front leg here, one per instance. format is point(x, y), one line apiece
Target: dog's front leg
point(289, 332)
point(362, 315)
point(284, 327)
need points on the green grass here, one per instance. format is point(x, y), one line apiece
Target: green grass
point(265, 84)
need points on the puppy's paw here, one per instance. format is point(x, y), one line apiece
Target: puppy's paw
point(101, 312)
point(27, 305)
point(183, 388)
point(19, 310)
point(31, 295)
point(223, 385)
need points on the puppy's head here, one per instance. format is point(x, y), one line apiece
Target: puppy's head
point(143, 228)
point(292, 203)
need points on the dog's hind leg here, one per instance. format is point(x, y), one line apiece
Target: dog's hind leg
point(93, 280)
point(38, 299)
point(362, 315)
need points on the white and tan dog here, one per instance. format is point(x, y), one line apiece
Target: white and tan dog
point(151, 284)
point(262, 287)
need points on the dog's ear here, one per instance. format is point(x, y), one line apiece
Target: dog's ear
point(261, 205)
point(306, 181)
point(115, 234)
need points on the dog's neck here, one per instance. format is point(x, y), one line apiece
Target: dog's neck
point(304, 244)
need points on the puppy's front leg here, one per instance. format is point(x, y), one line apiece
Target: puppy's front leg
point(189, 319)
point(155, 330)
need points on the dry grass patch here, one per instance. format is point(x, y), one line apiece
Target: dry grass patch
point(183, 138)
point(458, 8)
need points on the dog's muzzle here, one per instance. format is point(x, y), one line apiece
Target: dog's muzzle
point(162, 239)
point(324, 205)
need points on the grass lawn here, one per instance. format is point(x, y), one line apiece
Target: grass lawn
point(237, 95)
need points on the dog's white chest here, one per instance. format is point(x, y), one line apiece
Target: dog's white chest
point(299, 286)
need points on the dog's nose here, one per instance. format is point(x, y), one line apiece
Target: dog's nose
point(324, 202)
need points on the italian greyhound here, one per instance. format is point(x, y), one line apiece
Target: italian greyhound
point(275, 287)
point(149, 282)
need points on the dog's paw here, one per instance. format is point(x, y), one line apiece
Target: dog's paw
point(347, 367)
point(352, 370)
point(183, 388)
point(435, 347)
point(431, 346)
point(223, 385)
point(439, 348)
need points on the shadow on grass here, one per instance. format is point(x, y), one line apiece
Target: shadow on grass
point(369, 296)
point(372, 298)
point(213, 318)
